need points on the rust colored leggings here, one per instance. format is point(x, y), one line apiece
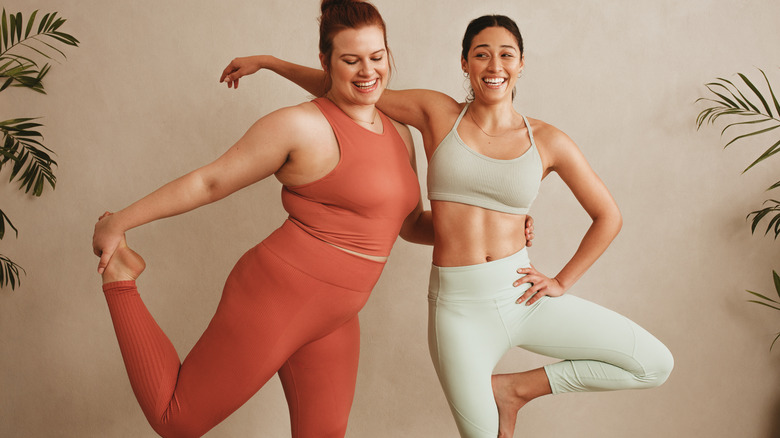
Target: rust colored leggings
point(289, 306)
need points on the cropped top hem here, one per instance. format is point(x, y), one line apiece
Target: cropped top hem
point(476, 202)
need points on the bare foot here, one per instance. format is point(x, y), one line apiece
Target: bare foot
point(512, 392)
point(125, 264)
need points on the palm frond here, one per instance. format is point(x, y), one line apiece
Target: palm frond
point(9, 272)
point(760, 112)
point(30, 163)
point(772, 212)
point(769, 302)
point(3, 220)
point(16, 36)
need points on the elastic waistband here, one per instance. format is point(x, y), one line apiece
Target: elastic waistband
point(322, 260)
point(483, 281)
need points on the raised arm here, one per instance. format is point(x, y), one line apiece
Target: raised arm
point(313, 80)
point(262, 150)
point(428, 111)
point(561, 155)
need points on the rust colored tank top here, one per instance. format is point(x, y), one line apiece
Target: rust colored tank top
point(361, 204)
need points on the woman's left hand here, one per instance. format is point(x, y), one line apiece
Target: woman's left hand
point(240, 67)
point(541, 285)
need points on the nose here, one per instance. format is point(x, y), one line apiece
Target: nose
point(494, 64)
point(366, 68)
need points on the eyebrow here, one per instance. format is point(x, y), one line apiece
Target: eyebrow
point(358, 56)
point(505, 46)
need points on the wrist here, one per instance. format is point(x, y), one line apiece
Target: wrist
point(564, 285)
point(267, 62)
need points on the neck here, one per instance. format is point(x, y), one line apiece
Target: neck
point(493, 117)
point(360, 113)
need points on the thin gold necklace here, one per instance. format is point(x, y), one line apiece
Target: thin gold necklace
point(373, 119)
point(483, 131)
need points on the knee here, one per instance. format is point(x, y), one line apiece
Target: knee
point(659, 369)
point(178, 429)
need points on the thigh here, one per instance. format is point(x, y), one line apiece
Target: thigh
point(569, 327)
point(267, 312)
point(466, 341)
point(319, 383)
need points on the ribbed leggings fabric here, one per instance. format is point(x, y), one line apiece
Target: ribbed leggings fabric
point(474, 321)
point(289, 306)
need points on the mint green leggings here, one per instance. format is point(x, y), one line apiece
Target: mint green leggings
point(474, 321)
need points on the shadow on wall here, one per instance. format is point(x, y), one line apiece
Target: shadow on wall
point(774, 431)
point(774, 427)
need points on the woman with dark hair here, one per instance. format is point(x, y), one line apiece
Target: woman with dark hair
point(290, 304)
point(486, 162)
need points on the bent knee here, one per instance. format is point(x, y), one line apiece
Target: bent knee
point(658, 370)
point(178, 429)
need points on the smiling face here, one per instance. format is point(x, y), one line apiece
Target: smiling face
point(494, 62)
point(359, 67)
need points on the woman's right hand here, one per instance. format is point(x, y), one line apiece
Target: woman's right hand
point(105, 240)
point(240, 67)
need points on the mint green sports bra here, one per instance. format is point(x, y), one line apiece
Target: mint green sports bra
point(458, 173)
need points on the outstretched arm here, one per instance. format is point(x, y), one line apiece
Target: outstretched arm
point(259, 153)
point(563, 156)
point(313, 80)
point(418, 108)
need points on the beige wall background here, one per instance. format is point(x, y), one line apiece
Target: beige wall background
point(138, 104)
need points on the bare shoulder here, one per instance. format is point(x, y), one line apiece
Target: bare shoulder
point(555, 147)
point(548, 136)
point(298, 123)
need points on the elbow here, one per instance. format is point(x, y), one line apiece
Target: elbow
point(618, 221)
point(610, 219)
point(207, 189)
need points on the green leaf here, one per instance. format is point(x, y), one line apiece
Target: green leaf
point(19, 26)
point(763, 297)
point(756, 92)
point(751, 134)
point(49, 22)
point(43, 23)
point(4, 30)
point(6, 84)
point(3, 220)
point(774, 186)
point(12, 27)
point(776, 278)
point(773, 223)
point(773, 342)
point(745, 99)
point(31, 165)
point(30, 23)
point(728, 101)
point(764, 304)
point(9, 272)
point(768, 153)
point(52, 47)
point(749, 122)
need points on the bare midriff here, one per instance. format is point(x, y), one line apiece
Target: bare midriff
point(469, 235)
point(360, 254)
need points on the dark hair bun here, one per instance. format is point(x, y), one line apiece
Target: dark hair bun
point(327, 4)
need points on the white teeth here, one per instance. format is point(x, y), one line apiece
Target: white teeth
point(494, 81)
point(365, 84)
